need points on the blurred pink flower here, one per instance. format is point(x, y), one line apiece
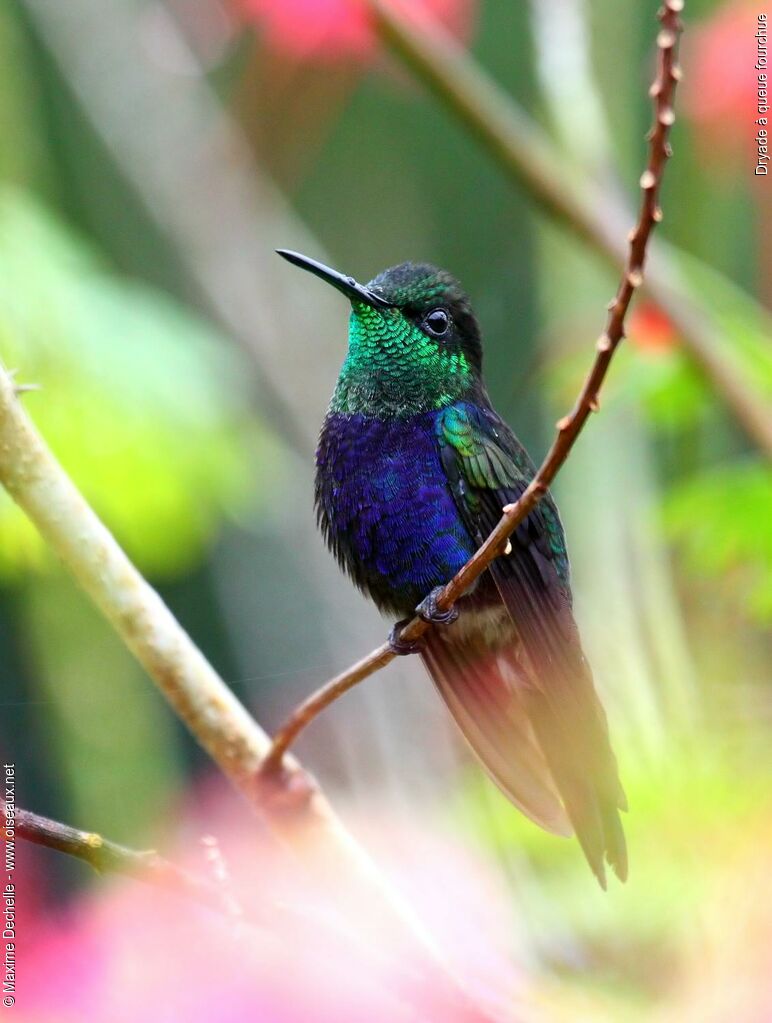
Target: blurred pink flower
point(126, 951)
point(326, 31)
point(719, 90)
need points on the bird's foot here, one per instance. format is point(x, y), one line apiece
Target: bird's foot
point(402, 647)
point(429, 611)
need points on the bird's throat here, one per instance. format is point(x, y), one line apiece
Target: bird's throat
point(393, 370)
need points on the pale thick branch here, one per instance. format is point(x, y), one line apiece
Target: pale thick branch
point(36, 481)
point(526, 154)
point(295, 810)
point(569, 427)
point(108, 857)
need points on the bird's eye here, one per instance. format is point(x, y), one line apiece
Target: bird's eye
point(436, 322)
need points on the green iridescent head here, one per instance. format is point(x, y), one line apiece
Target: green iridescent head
point(414, 343)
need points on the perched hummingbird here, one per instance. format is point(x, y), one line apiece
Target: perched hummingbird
point(413, 468)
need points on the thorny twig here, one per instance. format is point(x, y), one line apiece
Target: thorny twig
point(108, 857)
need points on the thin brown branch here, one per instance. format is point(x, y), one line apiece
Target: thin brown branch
point(527, 155)
point(108, 857)
point(570, 426)
point(310, 708)
point(149, 867)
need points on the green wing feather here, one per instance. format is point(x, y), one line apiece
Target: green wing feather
point(486, 469)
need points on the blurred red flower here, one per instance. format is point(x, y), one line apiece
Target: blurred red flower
point(325, 31)
point(651, 330)
point(719, 91)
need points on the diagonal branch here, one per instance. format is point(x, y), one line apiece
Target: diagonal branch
point(570, 426)
point(39, 485)
point(297, 812)
point(527, 155)
point(108, 857)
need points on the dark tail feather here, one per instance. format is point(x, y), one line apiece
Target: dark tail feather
point(569, 721)
point(484, 695)
point(586, 782)
point(541, 734)
point(571, 726)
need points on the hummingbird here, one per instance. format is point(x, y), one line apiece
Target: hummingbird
point(413, 468)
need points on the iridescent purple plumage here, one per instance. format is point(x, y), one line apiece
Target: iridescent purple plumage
point(385, 508)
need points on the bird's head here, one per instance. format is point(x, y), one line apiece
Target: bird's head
point(414, 343)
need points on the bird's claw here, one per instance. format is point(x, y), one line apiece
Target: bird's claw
point(401, 647)
point(429, 611)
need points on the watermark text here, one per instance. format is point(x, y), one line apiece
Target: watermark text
point(8, 886)
point(762, 97)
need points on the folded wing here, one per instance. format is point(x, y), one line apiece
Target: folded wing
point(530, 709)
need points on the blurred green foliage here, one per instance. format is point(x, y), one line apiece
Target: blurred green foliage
point(745, 325)
point(716, 502)
point(721, 520)
point(145, 406)
point(719, 516)
point(692, 818)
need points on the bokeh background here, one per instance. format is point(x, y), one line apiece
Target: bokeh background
point(153, 153)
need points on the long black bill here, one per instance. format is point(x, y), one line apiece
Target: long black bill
point(351, 289)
